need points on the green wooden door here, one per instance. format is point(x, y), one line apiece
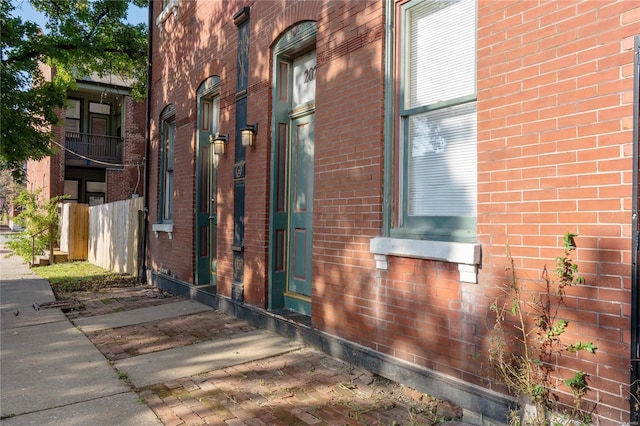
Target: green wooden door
point(300, 223)
point(292, 163)
point(205, 229)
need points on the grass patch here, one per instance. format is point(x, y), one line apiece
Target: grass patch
point(72, 277)
point(125, 378)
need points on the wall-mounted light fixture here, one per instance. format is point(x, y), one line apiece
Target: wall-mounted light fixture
point(219, 143)
point(248, 134)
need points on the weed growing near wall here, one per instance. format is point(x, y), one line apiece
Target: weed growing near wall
point(528, 337)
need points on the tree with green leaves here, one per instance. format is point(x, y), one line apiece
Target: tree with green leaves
point(80, 38)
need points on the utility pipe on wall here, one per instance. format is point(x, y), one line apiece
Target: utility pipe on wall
point(634, 388)
point(142, 272)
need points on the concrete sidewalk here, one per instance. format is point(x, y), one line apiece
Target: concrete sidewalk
point(135, 357)
point(50, 373)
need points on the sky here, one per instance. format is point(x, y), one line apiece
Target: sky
point(135, 15)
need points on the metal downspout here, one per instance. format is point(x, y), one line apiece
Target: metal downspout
point(143, 268)
point(635, 290)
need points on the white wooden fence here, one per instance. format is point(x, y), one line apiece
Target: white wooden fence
point(114, 234)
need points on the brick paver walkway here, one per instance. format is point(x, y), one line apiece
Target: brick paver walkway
point(118, 299)
point(123, 342)
point(301, 388)
point(304, 387)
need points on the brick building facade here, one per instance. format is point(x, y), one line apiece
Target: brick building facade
point(100, 145)
point(372, 212)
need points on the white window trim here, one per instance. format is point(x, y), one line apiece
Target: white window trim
point(466, 255)
point(170, 9)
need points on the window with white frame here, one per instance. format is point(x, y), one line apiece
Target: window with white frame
point(435, 124)
point(167, 164)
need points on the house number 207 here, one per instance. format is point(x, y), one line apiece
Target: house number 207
point(310, 74)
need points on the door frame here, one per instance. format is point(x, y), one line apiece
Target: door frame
point(296, 42)
point(205, 270)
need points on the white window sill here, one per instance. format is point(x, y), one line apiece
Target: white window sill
point(466, 255)
point(162, 227)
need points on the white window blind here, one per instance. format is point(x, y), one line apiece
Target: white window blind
point(442, 162)
point(440, 150)
point(168, 168)
point(442, 51)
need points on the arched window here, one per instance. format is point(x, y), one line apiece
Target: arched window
point(167, 148)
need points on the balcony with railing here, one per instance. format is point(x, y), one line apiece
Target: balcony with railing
point(85, 146)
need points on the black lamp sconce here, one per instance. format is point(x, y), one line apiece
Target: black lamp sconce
point(219, 143)
point(248, 134)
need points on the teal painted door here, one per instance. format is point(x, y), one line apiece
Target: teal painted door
point(300, 223)
point(205, 229)
point(292, 161)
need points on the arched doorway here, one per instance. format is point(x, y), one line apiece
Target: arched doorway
point(292, 155)
point(208, 99)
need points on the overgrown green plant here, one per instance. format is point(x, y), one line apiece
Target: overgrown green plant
point(579, 387)
point(36, 215)
point(527, 336)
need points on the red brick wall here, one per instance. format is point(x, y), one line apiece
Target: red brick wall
point(554, 127)
point(39, 176)
point(183, 59)
point(122, 183)
point(177, 73)
point(554, 146)
point(57, 163)
point(348, 167)
point(48, 173)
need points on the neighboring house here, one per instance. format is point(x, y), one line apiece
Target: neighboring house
point(399, 147)
point(101, 146)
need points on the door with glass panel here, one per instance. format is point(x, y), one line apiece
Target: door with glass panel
point(206, 189)
point(292, 178)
